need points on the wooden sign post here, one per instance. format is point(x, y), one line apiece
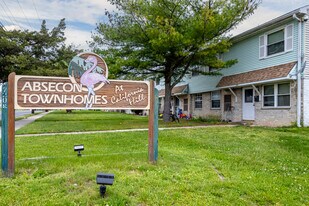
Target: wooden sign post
point(153, 124)
point(11, 126)
point(87, 87)
point(8, 128)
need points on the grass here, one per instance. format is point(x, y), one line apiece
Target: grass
point(60, 121)
point(210, 166)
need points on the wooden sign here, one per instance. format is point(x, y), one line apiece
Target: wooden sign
point(35, 92)
point(87, 87)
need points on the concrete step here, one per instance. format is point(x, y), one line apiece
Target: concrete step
point(247, 122)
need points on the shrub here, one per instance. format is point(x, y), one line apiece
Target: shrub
point(210, 119)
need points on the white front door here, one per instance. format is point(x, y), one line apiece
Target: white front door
point(248, 112)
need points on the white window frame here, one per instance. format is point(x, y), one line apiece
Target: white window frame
point(276, 95)
point(185, 105)
point(284, 42)
point(198, 100)
point(211, 98)
point(263, 41)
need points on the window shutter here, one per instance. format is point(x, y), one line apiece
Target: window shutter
point(262, 47)
point(288, 38)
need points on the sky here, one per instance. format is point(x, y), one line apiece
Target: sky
point(82, 16)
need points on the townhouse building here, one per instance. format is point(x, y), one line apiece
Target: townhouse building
point(268, 86)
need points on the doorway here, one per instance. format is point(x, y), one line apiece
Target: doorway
point(248, 104)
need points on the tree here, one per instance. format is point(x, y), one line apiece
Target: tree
point(35, 52)
point(168, 38)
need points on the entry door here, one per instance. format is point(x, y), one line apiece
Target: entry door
point(176, 105)
point(248, 104)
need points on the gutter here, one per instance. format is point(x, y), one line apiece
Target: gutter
point(301, 17)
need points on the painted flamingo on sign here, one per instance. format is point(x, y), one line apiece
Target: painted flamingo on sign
point(90, 78)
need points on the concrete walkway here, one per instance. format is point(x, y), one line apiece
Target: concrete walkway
point(122, 130)
point(23, 122)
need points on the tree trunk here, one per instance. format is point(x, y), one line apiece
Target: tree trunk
point(167, 99)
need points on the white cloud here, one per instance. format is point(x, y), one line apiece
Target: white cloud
point(81, 16)
point(12, 27)
point(79, 10)
point(261, 15)
point(284, 5)
point(78, 38)
point(268, 10)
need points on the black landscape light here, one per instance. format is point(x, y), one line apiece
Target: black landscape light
point(104, 179)
point(79, 148)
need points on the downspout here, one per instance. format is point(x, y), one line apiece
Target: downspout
point(300, 18)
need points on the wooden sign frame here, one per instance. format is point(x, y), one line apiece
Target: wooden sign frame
point(152, 106)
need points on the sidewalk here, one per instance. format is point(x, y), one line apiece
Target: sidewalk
point(122, 130)
point(21, 123)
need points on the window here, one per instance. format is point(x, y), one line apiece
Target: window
point(215, 99)
point(185, 105)
point(277, 95)
point(283, 95)
point(269, 96)
point(227, 102)
point(248, 95)
point(276, 42)
point(198, 100)
point(197, 71)
point(212, 69)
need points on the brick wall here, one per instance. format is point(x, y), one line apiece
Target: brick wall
point(277, 117)
point(263, 116)
point(235, 115)
point(206, 109)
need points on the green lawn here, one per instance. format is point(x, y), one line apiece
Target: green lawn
point(60, 121)
point(210, 166)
